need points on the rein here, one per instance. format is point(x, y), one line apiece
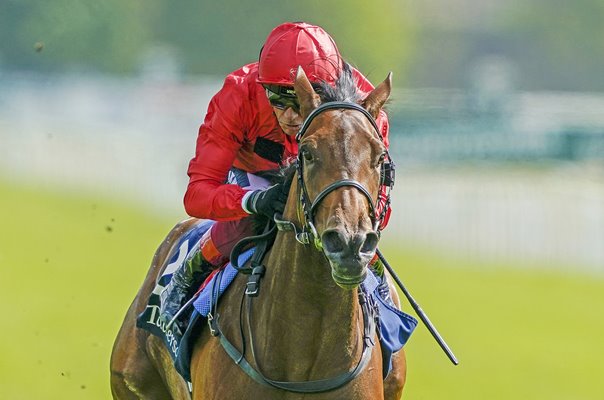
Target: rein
point(304, 236)
point(370, 316)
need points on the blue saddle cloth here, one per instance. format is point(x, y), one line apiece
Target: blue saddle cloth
point(394, 329)
point(149, 318)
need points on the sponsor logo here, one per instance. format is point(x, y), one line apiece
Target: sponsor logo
point(171, 340)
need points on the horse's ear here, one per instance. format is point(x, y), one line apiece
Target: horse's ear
point(378, 97)
point(308, 98)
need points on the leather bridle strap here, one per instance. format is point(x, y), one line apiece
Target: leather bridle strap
point(339, 184)
point(305, 198)
point(336, 105)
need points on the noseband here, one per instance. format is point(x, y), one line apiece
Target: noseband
point(309, 231)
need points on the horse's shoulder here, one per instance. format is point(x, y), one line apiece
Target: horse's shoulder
point(182, 227)
point(165, 250)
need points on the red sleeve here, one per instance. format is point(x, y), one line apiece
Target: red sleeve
point(220, 137)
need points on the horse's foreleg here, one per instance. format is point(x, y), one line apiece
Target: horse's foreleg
point(130, 387)
point(133, 374)
point(394, 383)
point(134, 377)
point(162, 360)
point(138, 369)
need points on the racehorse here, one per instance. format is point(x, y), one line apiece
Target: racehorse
point(307, 323)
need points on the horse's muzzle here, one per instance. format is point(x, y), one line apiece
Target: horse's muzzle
point(349, 255)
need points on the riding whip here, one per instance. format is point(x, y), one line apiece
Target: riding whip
point(420, 313)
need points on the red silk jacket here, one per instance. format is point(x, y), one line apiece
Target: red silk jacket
point(241, 130)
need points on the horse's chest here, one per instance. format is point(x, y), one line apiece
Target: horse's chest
point(226, 380)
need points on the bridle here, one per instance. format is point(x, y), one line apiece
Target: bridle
point(309, 232)
point(304, 236)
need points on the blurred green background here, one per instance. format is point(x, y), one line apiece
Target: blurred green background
point(497, 127)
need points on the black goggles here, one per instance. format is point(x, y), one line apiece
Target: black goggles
point(282, 97)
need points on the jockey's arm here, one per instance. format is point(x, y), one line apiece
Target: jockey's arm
point(219, 140)
point(207, 195)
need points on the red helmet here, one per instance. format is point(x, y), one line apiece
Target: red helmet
point(298, 43)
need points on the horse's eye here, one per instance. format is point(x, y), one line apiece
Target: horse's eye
point(307, 155)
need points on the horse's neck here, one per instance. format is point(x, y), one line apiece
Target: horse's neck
point(305, 314)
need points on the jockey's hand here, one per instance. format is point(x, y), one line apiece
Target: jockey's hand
point(268, 201)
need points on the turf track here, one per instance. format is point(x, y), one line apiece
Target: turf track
point(70, 265)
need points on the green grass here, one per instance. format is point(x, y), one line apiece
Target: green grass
point(518, 334)
point(70, 265)
point(69, 268)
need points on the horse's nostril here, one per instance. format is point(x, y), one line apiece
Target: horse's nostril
point(370, 243)
point(333, 241)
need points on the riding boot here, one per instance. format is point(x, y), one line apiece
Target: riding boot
point(197, 266)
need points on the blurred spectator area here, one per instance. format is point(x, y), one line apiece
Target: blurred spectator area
point(487, 171)
point(438, 125)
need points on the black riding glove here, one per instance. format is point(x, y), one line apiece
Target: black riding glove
point(268, 201)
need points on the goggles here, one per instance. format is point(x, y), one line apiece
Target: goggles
point(282, 97)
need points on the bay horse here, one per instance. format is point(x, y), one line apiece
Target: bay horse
point(307, 323)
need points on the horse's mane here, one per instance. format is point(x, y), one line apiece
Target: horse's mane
point(345, 88)
point(284, 174)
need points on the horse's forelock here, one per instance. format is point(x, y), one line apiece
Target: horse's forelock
point(345, 88)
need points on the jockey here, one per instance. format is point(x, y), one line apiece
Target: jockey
point(250, 127)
